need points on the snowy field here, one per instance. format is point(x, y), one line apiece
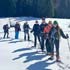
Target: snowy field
point(18, 54)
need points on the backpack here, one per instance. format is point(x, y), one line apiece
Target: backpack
point(55, 33)
point(4, 26)
point(47, 29)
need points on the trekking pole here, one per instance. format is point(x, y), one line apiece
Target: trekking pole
point(68, 42)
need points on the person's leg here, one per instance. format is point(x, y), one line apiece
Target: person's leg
point(7, 34)
point(4, 34)
point(57, 49)
point(42, 43)
point(52, 49)
point(39, 40)
point(16, 35)
point(24, 36)
point(28, 37)
point(48, 47)
point(35, 40)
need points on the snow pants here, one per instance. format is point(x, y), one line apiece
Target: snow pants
point(16, 34)
point(56, 43)
point(48, 46)
point(26, 35)
point(6, 33)
point(35, 40)
point(42, 42)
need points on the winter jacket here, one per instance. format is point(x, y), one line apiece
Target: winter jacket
point(17, 27)
point(6, 28)
point(26, 28)
point(36, 29)
point(55, 33)
point(42, 26)
point(47, 30)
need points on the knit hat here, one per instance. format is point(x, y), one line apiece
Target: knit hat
point(55, 22)
point(36, 21)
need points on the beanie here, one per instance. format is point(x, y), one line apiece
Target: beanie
point(55, 22)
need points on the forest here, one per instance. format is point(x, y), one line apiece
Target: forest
point(35, 8)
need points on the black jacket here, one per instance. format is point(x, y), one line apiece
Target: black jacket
point(17, 27)
point(6, 28)
point(26, 28)
point(42, 26)
point(36, 29)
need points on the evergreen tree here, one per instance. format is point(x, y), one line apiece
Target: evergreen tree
point(36, 8)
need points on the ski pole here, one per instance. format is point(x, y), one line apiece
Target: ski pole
point(68, 42)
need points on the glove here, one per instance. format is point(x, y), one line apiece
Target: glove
point(31, 31)
point(67, 36)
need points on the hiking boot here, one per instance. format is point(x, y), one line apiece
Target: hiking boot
point(57, 60)
point(51, 58)
point(48, 54)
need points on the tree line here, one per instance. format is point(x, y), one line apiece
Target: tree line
point(35, 8)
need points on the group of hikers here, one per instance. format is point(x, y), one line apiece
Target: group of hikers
point(6, 30)
point(49, 32)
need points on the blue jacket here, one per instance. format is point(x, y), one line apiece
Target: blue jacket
point(54, 34)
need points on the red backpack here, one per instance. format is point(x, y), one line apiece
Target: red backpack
point(47, 28)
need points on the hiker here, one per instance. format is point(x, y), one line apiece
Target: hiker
point(17, 29)
point(47, 30)
point(56, 32)
point(6, 30)
point(26, 28)
point(42, 26)
point(36, 31)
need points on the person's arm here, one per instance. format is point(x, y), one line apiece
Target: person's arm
point(3, 27)
point(33, 29)
point(29, 27)
point(8, 27)
point(62, 34)
point(19, 28)
point(15, 26)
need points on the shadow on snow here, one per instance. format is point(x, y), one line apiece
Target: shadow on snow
point(42, 65)
point(31, 56)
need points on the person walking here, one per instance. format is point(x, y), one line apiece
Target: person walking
point(47, 30)
point(36, 30)
point(26, 28)
point(56, 32)
point(6, 30)
point(42, 26)
point(17, 29)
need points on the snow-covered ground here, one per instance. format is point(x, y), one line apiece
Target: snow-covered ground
point(18, 54)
